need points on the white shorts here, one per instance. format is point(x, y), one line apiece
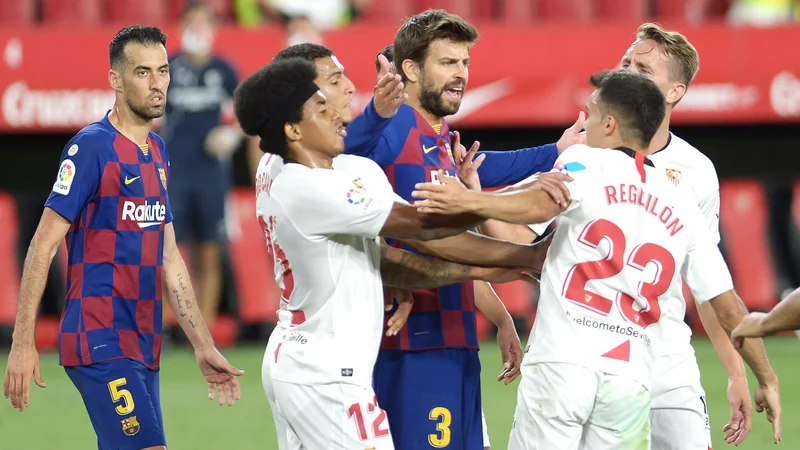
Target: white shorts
point(569, 407)
point(322, 417)
point(336, 416)
point(679, 414)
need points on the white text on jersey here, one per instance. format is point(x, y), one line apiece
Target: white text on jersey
point(145, 215)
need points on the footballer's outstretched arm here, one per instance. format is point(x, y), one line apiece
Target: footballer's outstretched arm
point(784, 316)
point(475, 249)
point(730, 311)
point(406, 222)
point(403, 269)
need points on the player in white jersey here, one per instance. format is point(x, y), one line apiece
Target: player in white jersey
point(614, 263)
point(325, 212)
point(679, 415)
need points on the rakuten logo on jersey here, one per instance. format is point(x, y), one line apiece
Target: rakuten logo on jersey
point(145, 214)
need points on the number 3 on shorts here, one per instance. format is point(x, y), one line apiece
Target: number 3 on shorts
point(441, 438)
point(118, 394)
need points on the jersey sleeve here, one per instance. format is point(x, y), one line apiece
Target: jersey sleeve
point(371, 136)
point(704, 269)
point(327, 202)
point(709, 206)
point(78, 176)
point(509, 167)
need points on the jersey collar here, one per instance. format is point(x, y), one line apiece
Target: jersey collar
point(630, 152)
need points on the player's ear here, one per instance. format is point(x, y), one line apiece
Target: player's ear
point(609, 124)
point(411, 69)
point(292, 131)
point(115, 80)
point(675, 93)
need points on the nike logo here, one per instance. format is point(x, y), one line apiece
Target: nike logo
point(429, 149)
point(131, 180)
point(477, 98)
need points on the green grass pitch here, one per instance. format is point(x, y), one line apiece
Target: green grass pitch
point(57, 419)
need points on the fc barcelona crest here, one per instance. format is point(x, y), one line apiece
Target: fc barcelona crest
point(163, 175)
point(674, 176)
point(130, 426)
point(449, 151)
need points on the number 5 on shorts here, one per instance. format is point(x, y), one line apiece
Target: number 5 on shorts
point(441, 438)
point(118, 394)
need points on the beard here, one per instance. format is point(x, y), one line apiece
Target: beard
point(147, 112)
point(433, 100)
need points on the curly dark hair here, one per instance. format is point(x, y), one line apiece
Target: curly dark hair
point(263, 102)
point(308, 51)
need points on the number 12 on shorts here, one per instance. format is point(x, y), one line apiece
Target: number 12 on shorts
point(356, 411)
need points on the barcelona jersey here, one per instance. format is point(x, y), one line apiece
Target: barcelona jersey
point(114, 192)
point(411, 151)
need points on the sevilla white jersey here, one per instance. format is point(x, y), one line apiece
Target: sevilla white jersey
point(618, 250)
point(322, 230)
point(696, 178)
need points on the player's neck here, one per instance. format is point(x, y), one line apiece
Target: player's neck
point(413, 101)
point(661, 138)
point(313, 160)
point(129, 124)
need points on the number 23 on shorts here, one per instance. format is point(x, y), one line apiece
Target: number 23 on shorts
point(444, 419)
point(121, 395)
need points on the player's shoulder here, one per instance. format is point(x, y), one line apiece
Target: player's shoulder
point(681, 150)
point(95, 139)
point(355, 162)
point(577, 158)
point(269, 164)
point(404, 119)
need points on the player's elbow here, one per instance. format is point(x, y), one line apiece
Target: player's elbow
point(728, 309)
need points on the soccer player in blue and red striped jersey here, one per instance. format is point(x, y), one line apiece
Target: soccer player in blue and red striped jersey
point(431, 53)
point(110, 202)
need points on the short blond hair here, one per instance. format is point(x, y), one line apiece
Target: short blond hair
point(685, 62)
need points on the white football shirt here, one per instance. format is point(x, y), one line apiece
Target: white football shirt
point(616, 254)
point(322, 230)
point(696, 178)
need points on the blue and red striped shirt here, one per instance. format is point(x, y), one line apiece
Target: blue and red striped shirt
point(115, 194)
point(412, 151)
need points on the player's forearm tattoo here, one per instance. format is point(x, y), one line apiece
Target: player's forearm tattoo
point(182, 296)
point(403, 269)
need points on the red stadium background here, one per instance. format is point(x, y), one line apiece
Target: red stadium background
point(527, 83)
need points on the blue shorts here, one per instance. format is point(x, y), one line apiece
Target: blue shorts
point(123, 401)
point(432, 398)
point(198, 210)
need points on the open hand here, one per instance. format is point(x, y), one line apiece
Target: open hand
point(466, 163)
point(511, 351)
point(220, 376)
point(449, 196)
point(749, 327)
point(573, 135)
point(741, 418)
point(388, 94)
point(405, 301)
point(768, 399)
point(23, 363)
